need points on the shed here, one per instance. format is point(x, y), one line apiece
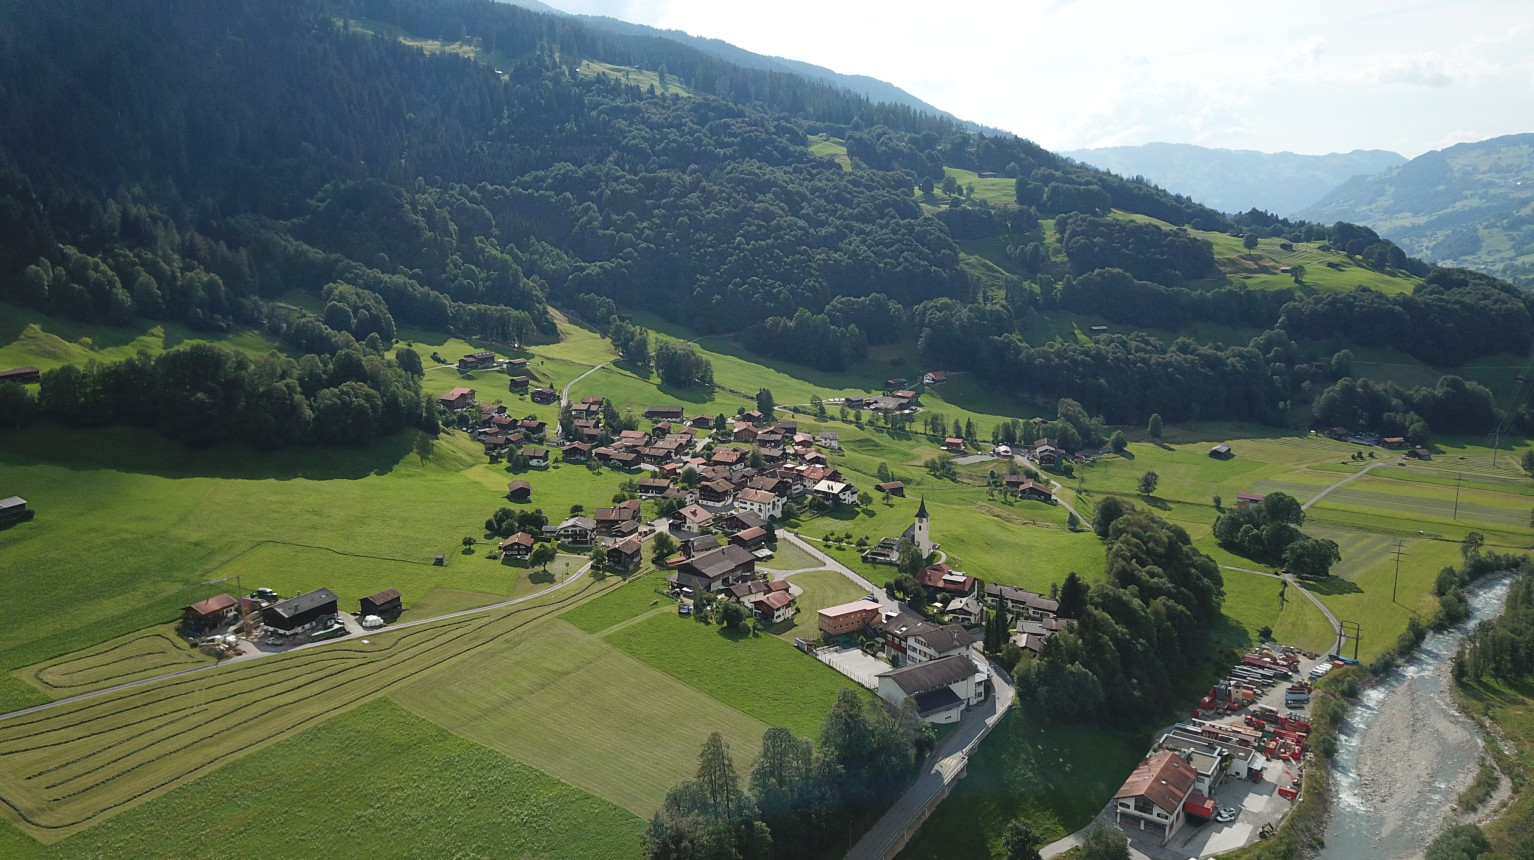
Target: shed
point(21, 375)
point(1221, 452)
point(384, 604)
point(14, 510)
point(519, 491)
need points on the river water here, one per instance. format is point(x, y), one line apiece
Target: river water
point(1405, 752)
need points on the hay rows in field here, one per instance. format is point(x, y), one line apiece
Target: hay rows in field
point(63, 769)
point(152, 653)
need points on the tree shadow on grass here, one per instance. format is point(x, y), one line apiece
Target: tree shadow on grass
point(1156, 502)
point(690, 395)
point(140, 451)
point(540, 576)
point(1332, 585)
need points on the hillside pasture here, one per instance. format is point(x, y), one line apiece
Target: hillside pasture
point(1251, 601)
point(31, 337)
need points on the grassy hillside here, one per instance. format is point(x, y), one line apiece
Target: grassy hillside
point(1471, 204)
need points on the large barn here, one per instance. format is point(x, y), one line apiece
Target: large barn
point(302, 612)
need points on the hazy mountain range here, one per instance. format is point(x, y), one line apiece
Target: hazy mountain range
point(1235, 180)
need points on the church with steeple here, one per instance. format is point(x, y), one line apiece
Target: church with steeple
point(919, 531)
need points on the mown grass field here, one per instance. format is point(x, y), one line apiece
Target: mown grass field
point(761, 676)
point(634, 598)
point(585, 712)
point(144, 654)
point(373, 779)
point(1251, 601)
point(72, 766)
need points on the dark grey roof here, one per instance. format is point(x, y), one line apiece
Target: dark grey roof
point(920, 677)
point(933, 701)
point(303, 603)
point(12, 502)
point(720, 562)
point(949, 638)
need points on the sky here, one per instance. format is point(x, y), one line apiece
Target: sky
point(1297, 76)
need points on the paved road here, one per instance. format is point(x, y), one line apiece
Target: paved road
point(941, 769)
point(564, 396)
point(259, 653)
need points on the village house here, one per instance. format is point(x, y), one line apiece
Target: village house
point(608, 519)
point(893, 488)
point(733, 459)
point(1020, 601)
point(517, 547)
point(518, 383)
point(476, 361)
point(384, 604)
point(837, 493)
point(752, 538)
point(457, 400)
point(967, 610)
point(575, 452)
point(911, 639)
point(700, 422)
point(652, 488)
point(532, 428)
point(760, 502)
point(1393, 442)
point(715, 570)
point(544, 395)
point(210, 614)
point(625, 556)
point(577, 531)
point(1030, 634)
point(744, 432)
point(942, 688)
point(941, 577)
point(536, 457)
point(848, 617)
point(716, 492)
point(1029, 490)
point(664, 413)
point(954, 444)
point(1151, 799)
point(692, 518)
point(934, 377)
point(741, 520)
point(775, 607)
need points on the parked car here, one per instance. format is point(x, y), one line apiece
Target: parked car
point(1226, 814)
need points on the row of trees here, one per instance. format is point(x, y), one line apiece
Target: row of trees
point(1452, 406)
point(1131, 631)
point(203, 394)
point(795, 800)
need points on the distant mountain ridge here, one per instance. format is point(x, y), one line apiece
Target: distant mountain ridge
point(871, 88)
point(1235, 180)
point(1469, 205)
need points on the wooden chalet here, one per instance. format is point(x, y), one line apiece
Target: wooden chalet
point(519, 491)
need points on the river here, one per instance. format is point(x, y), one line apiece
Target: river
point(1405, 752)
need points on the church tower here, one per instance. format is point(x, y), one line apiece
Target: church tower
point(920, 533)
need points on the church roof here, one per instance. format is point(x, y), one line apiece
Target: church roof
point(921, 512)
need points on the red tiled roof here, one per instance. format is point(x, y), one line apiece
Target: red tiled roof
point(1164, 779)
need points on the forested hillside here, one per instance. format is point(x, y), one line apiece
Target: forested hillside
point(199, 162)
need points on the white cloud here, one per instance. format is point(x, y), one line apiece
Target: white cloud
point(1307, 76)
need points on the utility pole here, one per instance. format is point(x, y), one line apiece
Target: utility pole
point(1397, 577)
point(1457, 477)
